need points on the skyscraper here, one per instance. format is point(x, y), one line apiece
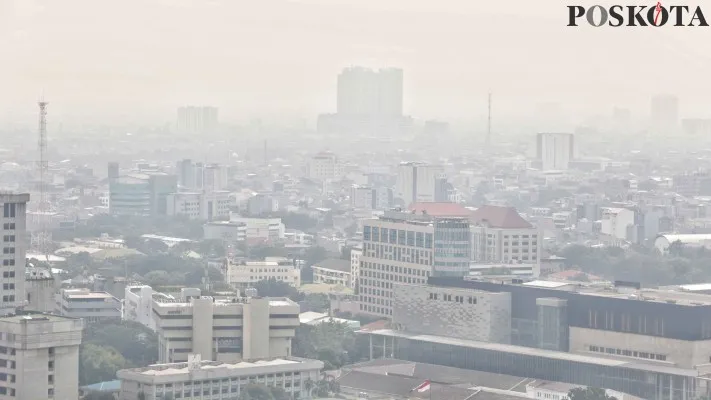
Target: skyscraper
point(201, 120)
point(555, 150)
point(372, 93)
point(14, 249)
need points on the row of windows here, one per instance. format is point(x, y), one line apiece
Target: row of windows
point(398, 236)
point(628, 353)
point(8, 250)
point(8, 238)
point(8, 299)
point(8, 262)
point(455, 298)
point(375, 309)
point(8, 274)
point(8, 226)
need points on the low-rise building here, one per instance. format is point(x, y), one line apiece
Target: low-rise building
point(198, 205)
point(245, 274)
point(333, 271)
point(40, 356)
point(199, 379)
point(92, 306)
point(225, 330)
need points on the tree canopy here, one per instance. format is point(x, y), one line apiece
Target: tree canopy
point(332, 342)
point(589, 394)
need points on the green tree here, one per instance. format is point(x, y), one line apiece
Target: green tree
point(254, 391)
point(98, 364)
point(332, 342)
point(276, 288)
point(317, 302)
point(589, 394)
point(137, 344)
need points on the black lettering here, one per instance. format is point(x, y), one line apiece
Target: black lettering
point(635, 16)
point(615, 14)
point(590, 16)
point(574, 12)
point(700, 16)
point(652, 16)
point(678, 10)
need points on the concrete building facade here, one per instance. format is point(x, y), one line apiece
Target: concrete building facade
point(40, 357)
point(246, 274)
point(199, 379)
point(84, 303)
point(14, 249)
point(454, 312)
point(227, 330)
point(555, 150)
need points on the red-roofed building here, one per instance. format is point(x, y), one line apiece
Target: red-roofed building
point(501, 235)
point(440, 209)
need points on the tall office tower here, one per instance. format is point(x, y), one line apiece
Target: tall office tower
point(408, 247)
point(42, 352)
point(185, 170)
point(201, 120)
point(214, 178)
point(113, 171)
point(417, 182)
point(555, 150)
point(366, 92)
point(664, 113)
point(14, 249)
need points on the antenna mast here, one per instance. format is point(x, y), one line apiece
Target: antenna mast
point(488, 123)
point(42, 240)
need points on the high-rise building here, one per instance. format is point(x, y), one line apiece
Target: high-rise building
point(417, 182)
point(366, 92)
point(408, 247)
point(201, 120)
point(555, 150)
point(42, 356)
point(113, 171)
point(501, 235)
point(664, 113)
point(14, 249)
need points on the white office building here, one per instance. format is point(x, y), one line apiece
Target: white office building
point(324, 166)
point(199, 205)
point(246, 274)
point(217, 380)
point(226, 330)
point(14, 248)
point(270, 229)
point(40, 357)
point(616, 222)
point(92, 306)
point(555, 150)
point(417, 182)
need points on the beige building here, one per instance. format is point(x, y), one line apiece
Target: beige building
point(501, 235)
point(200, 380)
point(246, 274)
point(14, 248)
point(40, 357)
point(225, 330)
point(40, 288)
point(333, 271)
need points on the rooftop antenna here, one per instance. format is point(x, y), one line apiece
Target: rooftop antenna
point(488, 123)
point(43, 236)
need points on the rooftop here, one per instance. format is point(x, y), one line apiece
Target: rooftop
point(183, 368)
point(335, 264)
point(27, 318)
point(500, 217)
point(530, 351)
point(440, 209)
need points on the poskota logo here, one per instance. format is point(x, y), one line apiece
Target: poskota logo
point(616, 16)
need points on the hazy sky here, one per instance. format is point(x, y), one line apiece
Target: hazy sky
point(142, 58)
